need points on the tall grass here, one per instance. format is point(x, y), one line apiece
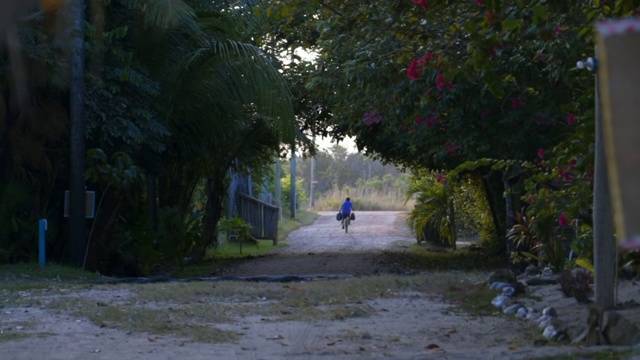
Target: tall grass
point(364, 200)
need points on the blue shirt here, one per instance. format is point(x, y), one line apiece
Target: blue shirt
point(346, 207)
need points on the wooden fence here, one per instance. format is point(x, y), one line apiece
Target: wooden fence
point(262, 217)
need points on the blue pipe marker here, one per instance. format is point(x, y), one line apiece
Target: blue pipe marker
point(43, 229)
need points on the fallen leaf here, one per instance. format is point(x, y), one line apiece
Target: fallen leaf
point(278, 337)
point(433, 346)
point(95, 351)
point(513, 347)
point(331, 343)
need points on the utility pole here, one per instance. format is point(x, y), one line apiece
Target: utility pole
point(313, 181)
point(604, 243)
point(605, 253)
point(278, 180)
point(77, 194)
point(313, 174)
point(293, 181)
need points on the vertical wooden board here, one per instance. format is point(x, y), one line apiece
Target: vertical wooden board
point(619, 74)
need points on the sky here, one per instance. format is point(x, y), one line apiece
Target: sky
point(348, 143)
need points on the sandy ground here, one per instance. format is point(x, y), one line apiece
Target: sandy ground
point(407, 326)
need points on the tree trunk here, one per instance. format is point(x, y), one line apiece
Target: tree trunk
point(492, 206)
point(452, 222)
point(152, 199)
point(77, 195)
point(215, 189)
point(510, 213)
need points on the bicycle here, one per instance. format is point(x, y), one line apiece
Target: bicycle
point(345, 223)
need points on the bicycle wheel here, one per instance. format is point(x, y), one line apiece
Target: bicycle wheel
point(346, 224)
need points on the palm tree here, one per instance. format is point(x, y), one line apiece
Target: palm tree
point(222, 98)
point(433, 217)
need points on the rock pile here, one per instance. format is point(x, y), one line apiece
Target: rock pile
point(602, 327)
point(547, 319)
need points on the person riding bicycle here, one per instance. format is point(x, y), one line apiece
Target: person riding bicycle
point(346, 209)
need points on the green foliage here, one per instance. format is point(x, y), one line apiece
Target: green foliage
point(237, 228)
point(120, 172)
point(538, 238)
point(18, 230)
point(433, 209)
point(176, 235)
point(576, 283)
point(301, 193)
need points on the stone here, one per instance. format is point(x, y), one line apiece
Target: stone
point(522, 312)
point(508, 291)
point(502, 275)
point(551, 311)
point(512, 309)
point(532, 313)
point(619, 331)
point(499, 285)
point(541, 280)
point(532, 270)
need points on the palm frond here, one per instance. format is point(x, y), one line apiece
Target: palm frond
point(164, 14)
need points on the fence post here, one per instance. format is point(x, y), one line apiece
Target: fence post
point(41, 242)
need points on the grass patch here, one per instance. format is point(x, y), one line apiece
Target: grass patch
point(423, 257)
point(11, 336)
point(28, 277)
point(195, 322)
point(202, 311)
point(599, 355)
point(30, 273)
point(229, 251)
point(473, 299)
point(287, 224)
point(235, 250)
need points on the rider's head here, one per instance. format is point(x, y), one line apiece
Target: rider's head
point(348, 199)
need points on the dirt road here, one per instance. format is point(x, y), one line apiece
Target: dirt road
point(325, 248)
point(307, 320)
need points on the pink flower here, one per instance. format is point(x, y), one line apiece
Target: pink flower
point(432, 120)
point(415, 70)
point(558, 31)
point(571, 119)
point(441, 179)
point(562, 220)
point(428, 56)
point(489, 17)
point(441, 83)
point(541, 153)
point(372, 117)
point(515, 103)
point(423, 3)
point(452, 149)
point(480, 3)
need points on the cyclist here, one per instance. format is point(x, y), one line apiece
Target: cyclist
point(346, 209)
